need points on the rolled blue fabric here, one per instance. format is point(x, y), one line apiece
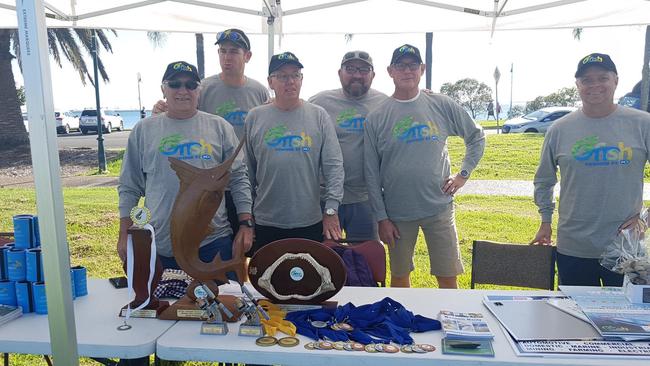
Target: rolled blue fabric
point(23, 231)
point(38, 298)
point(34, 265)
point(8, 292)
point(80, 281)
point(16, 266)
point(36, 233)
point(24, 296)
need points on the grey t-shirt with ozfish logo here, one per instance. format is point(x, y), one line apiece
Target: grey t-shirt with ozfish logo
point(287, 151)
point(204, 141)
point(406, 157)
point(231, 103)
point(349, 117)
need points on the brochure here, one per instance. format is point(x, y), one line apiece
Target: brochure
point(9, 313)
point(613, 315)
point(464, 325)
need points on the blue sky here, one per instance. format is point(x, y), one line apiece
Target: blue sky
point(544, 61)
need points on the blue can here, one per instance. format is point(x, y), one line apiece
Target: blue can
point(38, 298)
point(72, 285)
point(24, 296)
point(24, 231)
point(8, 292)
point(34, 265)
point(80, 281)
point(36, 234)
point(3, 261)
point(16, 266)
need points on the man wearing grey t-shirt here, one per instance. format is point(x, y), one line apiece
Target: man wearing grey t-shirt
point(601, 151)
point(197, 138)
point(347, 108)
point(408, 170)
point(290, 143)
point(230, 94)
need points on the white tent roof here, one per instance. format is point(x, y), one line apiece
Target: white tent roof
point(343, 16)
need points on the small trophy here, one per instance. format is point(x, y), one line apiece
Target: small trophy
point(251, 309)
point(141, 248)
point(208, 302)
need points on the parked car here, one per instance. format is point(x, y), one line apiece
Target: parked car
point(633, 98)
point(66, 122)
point(110, 121)
point(538, 121)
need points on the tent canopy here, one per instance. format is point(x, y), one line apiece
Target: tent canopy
point(343, 16)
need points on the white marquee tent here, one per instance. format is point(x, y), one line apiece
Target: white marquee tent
point(255, 17)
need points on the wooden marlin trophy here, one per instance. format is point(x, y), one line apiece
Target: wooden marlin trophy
point(199, 197)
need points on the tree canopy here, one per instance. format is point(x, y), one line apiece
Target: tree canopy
point(565, 97)
point(473, 95)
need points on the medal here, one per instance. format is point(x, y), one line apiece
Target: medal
point(417, 349)
point(339, 346)
point(335, 326)
point(325, 345)
point(266, 341)
point(348, 347)
point(370, 348)
point(140, 216)
point(389, 348)
point(318, 323)
point(407, 348)
point(358, 346)
point(379, 347)
point(427, 347)
point(288, 341)
point(344, 326)
point(310, 346)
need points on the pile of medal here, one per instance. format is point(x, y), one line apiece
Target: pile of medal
point(370, 348)
point(268, 341)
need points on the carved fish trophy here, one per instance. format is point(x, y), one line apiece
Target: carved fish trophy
point(199, 196)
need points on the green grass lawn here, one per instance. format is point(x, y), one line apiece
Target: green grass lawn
point(490, 124)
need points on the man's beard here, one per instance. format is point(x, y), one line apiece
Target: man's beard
point(356, 89)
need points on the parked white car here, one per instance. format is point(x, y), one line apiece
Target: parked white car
point(538, 121)
point(110, 121)
point(66, 122)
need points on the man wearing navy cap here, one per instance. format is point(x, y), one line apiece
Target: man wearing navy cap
point(348, 107)
point(408, 171)
point(601, 150)
point(198, 138)
point(290, 143)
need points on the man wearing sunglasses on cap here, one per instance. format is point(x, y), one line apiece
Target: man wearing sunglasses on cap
point(230, 94)
point(198, 138)
point(408, 171)
point(347, 108)
point(290, 143)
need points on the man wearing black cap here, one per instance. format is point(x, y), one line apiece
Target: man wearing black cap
point(198, 138)
point(601, 151)
point(289, 144)
point(408, 172)
point(347, 108)
point(230, 94)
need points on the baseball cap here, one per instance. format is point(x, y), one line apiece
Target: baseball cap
point(405, 50)
point(357, 55)
point(236, 36)
point(286, 58)
point(179, 67)
point(595, 59)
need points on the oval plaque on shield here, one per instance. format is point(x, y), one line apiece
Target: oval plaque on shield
point(297, 271)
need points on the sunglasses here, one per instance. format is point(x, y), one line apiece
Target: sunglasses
point(356, 54)
point(233, 37)
point(285, 77)
point(177, 84)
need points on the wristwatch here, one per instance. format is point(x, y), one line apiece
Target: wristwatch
point(247, 222)
point(330, 212)
point(464, 173)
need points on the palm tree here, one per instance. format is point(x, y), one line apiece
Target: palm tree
point(70, 43)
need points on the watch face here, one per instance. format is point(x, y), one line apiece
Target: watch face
point(330, 212)
point(248, 223)
point(464, 173)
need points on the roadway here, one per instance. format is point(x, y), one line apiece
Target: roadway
point(75, 140)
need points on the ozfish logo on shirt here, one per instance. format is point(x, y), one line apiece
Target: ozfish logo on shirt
point(351, 121)
point(279, 138)
point(594, 153)
point(231, 113)
point(407, 130)
point(185, 149)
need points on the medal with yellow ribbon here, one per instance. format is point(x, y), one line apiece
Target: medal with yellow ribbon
point(276, 320)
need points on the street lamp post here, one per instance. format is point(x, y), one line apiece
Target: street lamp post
point(101, 155)
point(497, 107)
point(139, 100)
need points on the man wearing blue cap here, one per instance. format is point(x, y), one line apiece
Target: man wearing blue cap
point(348, 107)
point(408, 171)
point(290, 143)
point(601, 150)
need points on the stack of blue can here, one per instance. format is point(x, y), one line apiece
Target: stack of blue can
point(21, 271)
